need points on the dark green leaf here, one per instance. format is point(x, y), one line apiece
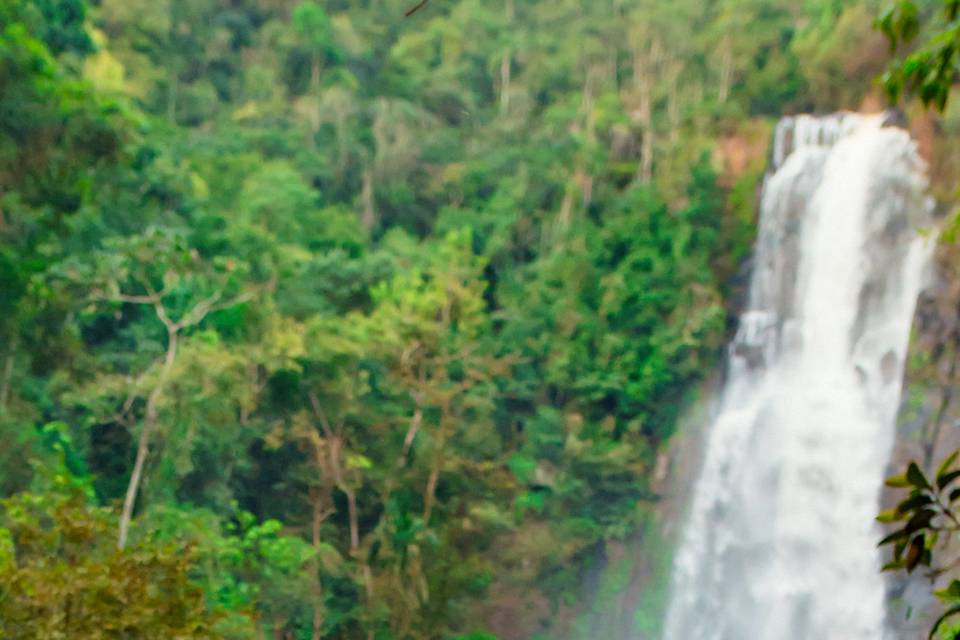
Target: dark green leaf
point(947, 463)
point(899, 534)
point(916, 478)
point(920, 520)
point(914, 502)
point(915, 553)
point(946, 479)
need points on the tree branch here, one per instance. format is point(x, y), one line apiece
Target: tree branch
point(123, 297)
point(336, 445)
point(412, 431)
point(414, 9)
point(318, 411)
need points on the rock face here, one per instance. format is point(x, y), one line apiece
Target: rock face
point(780, 542)
point(928, 424)
point(927, 427)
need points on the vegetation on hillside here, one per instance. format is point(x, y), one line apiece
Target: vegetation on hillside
point(320, 321)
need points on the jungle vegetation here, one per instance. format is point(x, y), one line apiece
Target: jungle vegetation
point(318, 320)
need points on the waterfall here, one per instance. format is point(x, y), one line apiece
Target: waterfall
point(780, 542)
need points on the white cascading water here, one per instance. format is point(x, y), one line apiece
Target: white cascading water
point(781, 540)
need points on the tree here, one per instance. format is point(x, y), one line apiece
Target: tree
point(160, 272)
point(929, 69)
point(318, 42)
point(61, 577)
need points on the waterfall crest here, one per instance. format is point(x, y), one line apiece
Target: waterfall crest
point(780, 542)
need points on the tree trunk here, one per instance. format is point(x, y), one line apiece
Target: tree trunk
point(173, 81)
point(173, 70)
point(586, 188)
point(674, 69)
point(584, 179)
point(143, 443)
point(643, 76)
point(352, 516)
point(726, 69)
point(343, 131)
point(566, 209)
point(581, 181)
point(368, 218)
point(412, 431)
point(431, 491)
point(318, 518)
point(335, 445)
point(429, 495)
point(6, 379)
point(317, 114)
point(506, 65)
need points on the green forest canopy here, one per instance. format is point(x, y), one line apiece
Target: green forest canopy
point(341, 324)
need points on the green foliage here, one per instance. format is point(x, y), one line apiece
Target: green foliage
point(927, 514)
point(835, 50)
point(62, 26)
point(242, 566)
point(366, 324)
point(928, 69)
point(62, 576)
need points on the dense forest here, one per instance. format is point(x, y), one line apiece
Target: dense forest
point(322, 321)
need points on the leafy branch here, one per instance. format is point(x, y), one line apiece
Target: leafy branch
point(931, 68)
point(930, 511)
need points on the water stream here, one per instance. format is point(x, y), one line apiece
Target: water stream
point(780, 543)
